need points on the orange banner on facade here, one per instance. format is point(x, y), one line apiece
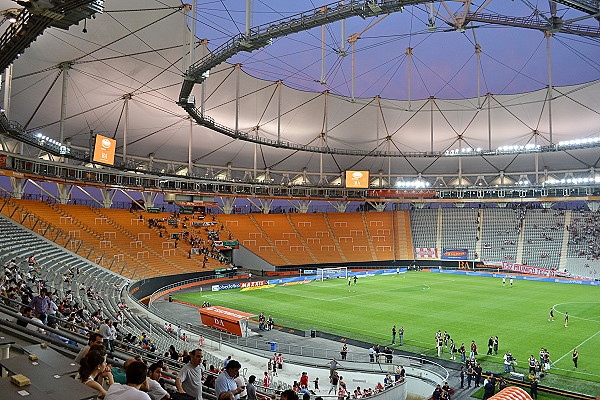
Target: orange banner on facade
point(225, 319)
point(104, 150)
point(357, 179)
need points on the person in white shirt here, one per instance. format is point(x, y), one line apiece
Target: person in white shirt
point(155, 391)
point(136, 377)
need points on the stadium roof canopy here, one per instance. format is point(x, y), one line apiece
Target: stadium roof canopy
point(420, 85)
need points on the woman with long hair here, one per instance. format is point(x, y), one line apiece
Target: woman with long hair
point(93, 367)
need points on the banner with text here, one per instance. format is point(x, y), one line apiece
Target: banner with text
point(455, 254)
point(426, 252)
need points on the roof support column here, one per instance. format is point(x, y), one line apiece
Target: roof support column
point(64, 192)
point(65, 67)
point(228, 204)
point(340, 206)
point(408, 66)
point(478, 59)
point(8, 72)
point(323, 137)
point(17, 186)
point(108, 195)
point(149, 198)
point(489, 104)
point(127, 97)
point(279, 87)
point(190, 143)
point(203, 84)
point(238, 68)
point(301, 206)
point(550, 88)
point(188, 34)
point(431, 98)
point(322, 81)
point(248, 14)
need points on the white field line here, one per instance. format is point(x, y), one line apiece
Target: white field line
point(580, 344)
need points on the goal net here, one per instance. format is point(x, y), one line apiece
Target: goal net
point(328, 273)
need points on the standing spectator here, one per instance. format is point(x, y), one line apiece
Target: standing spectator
point(470, 375)
point(251, 389)
point(534, 387)
point(478, 370)
point(463, 353)
point(401, 336)
point(473, 352)
point(266, 380)
point(496, 345)
point(488, 390)
point(333, 380)
point(372, 354)
point(490, 346)
point(344, 351)
point(41, 304)
point(575, 357)
point(104, 330)
point(304, 380)
point(189, 379)
point(462, 377)
point(507, 362)
point(393, 330)
point(333, 366)
point(226, 384)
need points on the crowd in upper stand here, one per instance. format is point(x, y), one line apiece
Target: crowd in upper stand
point(191, 234)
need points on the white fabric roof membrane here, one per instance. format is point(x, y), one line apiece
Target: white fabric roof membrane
point(139, 53)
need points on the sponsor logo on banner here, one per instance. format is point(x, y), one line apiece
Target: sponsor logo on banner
point(257, 287)
point(357, 179)
point(104, 150)
point(426, 252)
point(216, 288)
point(295, 283)
point(455, 254)
point(252, 284)
point(226, 245)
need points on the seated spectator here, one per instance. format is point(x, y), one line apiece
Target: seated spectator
point(136, 377)
point(155, 390)
point(93, 366)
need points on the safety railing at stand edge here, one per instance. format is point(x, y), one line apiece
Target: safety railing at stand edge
point(428, 369)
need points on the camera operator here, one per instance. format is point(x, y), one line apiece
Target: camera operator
point(509, 362)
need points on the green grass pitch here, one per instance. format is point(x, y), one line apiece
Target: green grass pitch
point(469, 308)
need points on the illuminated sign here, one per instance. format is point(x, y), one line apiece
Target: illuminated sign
point(357, 179)
point(104, 150)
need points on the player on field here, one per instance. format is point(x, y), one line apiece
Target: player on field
point(551, 314)
point(355, 279)
point(566, 319)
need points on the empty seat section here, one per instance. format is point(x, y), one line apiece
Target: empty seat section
point(350, 231)
point(317, 236)
point(382, 234)
point(251, 236)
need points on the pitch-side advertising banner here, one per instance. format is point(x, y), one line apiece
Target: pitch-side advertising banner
point(455, 254)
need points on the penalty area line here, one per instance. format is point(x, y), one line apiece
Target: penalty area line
point(580, 344)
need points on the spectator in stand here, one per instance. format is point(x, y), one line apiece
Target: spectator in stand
point(41, 304)
point(190, 377)
point(95, 339)
point(225, 383)
point(155, 390)
point(136, 377)
point(250, 388)
point(94, 367)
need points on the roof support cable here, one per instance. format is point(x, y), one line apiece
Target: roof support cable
point(42, 101)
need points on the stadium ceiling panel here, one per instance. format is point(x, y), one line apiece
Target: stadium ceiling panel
point(125, 72)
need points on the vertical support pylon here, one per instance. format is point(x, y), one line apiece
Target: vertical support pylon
point(550, 87)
